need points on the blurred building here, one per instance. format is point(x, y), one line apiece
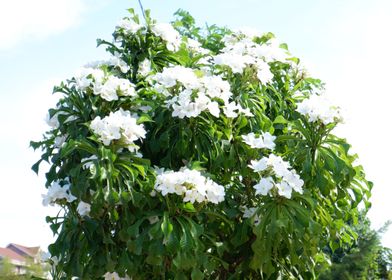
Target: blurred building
point(20, 256)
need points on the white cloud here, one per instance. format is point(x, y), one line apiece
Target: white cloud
point(22, 20)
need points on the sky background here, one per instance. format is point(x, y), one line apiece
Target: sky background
point(346, 43)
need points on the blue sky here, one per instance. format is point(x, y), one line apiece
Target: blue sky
point(344, 42)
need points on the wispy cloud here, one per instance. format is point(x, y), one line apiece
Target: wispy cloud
point(24, 20)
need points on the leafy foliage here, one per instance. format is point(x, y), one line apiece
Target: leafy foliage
point(133, 230)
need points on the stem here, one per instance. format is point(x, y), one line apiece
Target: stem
point(168, 204)
point(142, 9)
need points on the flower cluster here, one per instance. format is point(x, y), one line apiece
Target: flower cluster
point(165, 31)
point(168, 34)
point(114, 60)
point(120, 125)
point(109, 87)
point(57, 191)
point(241, 51)
point(264, 141)
point(195, 46)
point(128, 26)
point(191, 185)
point(318, 108)
point(196, 93)
point(279, 176)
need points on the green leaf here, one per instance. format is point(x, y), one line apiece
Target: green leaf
point(197, 274)
point(280, 120)
point(140, 168)
point(241, 234)
point(166, 226)
point(188, 207)
point(35, 166)
point(144, 118)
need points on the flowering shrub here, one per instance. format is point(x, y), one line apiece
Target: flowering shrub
point(196, 154)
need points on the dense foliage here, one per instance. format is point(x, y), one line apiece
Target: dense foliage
point(200, 153)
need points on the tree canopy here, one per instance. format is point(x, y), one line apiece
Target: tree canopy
point(197, 153)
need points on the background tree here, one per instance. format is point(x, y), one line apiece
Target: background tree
point(32, 270)
point(7, 269)
point(366, 258)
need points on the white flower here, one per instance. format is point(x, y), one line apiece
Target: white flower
point(215, 192)
point(270, 52)
point(191, 185)
point(112, 61)
point(215, 87)
point(108, 87)
point(249, 212)
point(195, 94)
point(107, 91)
point(259, 165)
point(279, 166)
point(83, 208)
point(53, 121)
point(115, 276)
point(245, 111)
point(252, 140)
point(269, 140)
point(213, 108)
point(129, 26)
point(168, 34)
point(183, 106)
point(230, 39)
point(265, 140)
point(202, 103)
point(195, 46)
point(57, 192)
point(249, 32)
point(171, 75)
point(230, 108)
point(86, 76)
point(288, 179)
point(318, 108)
point(113, 87)
point(264, 73)
point(236, 62)
point(264, 186)
point(118, 62)
point(145, 67)
point(59, 141)
point(118, 125)
point(293, 179)
point(284, 189)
